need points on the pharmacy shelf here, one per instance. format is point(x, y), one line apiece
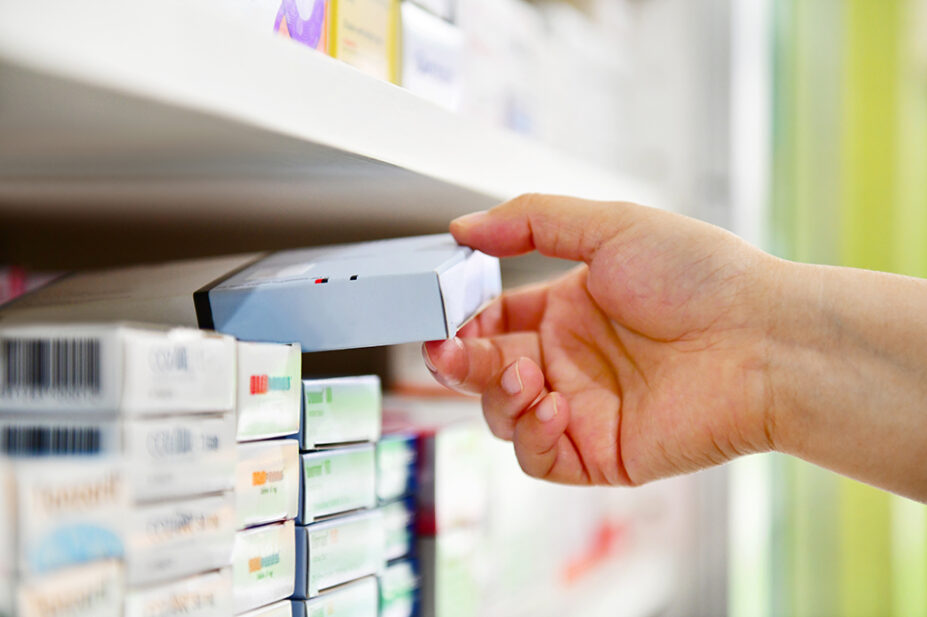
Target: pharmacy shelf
point(171, 108)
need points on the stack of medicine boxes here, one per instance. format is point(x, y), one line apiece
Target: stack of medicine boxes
point(130, 509)
point(396, 483)
point(339, 537)
point(267, 477)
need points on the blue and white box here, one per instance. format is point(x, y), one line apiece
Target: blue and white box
point(335, 297)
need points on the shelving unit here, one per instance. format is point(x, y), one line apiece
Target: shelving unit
point(171, 110)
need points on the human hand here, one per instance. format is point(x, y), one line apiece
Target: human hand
point(646, 361)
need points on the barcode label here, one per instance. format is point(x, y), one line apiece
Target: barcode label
point(49, 440)
point(50, 367)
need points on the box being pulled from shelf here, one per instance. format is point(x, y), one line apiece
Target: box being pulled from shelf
point(267, 482)
point(114, 368)
point(263, 566)
point(341, 410)
point(269, 397)
point(356, 599)
point(203, 595)
point(337, 551)
point(55, 515)
point(335, 297)
point(162, 457)
point(90, 590)
point(337, 480)
point(177, 539)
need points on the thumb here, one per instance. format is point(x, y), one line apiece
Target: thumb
point(556, 226)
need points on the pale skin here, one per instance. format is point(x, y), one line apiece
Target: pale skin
point(675, 346)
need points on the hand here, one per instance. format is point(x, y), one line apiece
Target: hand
point(647, 360)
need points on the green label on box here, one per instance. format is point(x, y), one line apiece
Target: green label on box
point(341, 410)
point(339, 480)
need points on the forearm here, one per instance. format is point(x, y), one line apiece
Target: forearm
point(847, 361)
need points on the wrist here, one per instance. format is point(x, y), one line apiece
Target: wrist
point(795, 344)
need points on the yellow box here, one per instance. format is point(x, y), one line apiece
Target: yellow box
point(365, 34)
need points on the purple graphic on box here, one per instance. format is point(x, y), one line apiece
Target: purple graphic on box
point(307, 31)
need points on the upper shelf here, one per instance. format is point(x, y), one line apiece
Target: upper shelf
point(166, 106)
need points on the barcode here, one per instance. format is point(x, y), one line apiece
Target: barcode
point(49, 440)
point(56, 367)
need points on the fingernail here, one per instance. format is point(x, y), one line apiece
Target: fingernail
point(470, 220)
point(427, 359)
point(547, 410)
point(511, 380)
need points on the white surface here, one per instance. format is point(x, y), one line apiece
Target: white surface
point(196, 113)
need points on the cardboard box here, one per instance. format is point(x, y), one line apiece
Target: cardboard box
point(445, 9)
point(89, 590)
point(337, 551)
point(364, 34)
point(55, 515)
point(399, 590)
point(278, 609)
point(203, 595)
point(341, 410)
point(336, 297)
point(163, 457)
point(125, 369)
point(396, 460)
point(305, 21)
point(267, 482)
point(357, 599)
point(263, 566)
point(337, 481)
point(451, 568)
point(432, 57)
point(398, 529)
point(453, 471)
point(173, 540)
point(269, 390)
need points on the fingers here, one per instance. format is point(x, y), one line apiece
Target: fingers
point(470, 364)
point(540, 439)
point(562, 227)
point(508, 396)
point(517, 310)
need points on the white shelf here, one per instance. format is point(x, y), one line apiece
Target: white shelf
point(168, 107)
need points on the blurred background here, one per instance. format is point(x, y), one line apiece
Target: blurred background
point(799, 124)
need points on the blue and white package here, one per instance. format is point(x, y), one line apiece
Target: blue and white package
point(396, 458)
point(53, 516)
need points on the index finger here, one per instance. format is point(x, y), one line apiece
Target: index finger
point(556, 226)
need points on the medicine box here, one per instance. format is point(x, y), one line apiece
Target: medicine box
point(263, 566)
point(396, 461)
point(399, 590)
point(163, 457)
point(341, 410)
point(267, 482)
point(89, 590)
point(172, 540)
point(125, 369)
point(53, 516)
point(336, 481)
point(432, 58)
point(364, 35)
point(398, 529)
point(337, 551)
point(282, 608)
point(336, 297)
point(202, 595)
point(357, 599)
point(269, 390)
